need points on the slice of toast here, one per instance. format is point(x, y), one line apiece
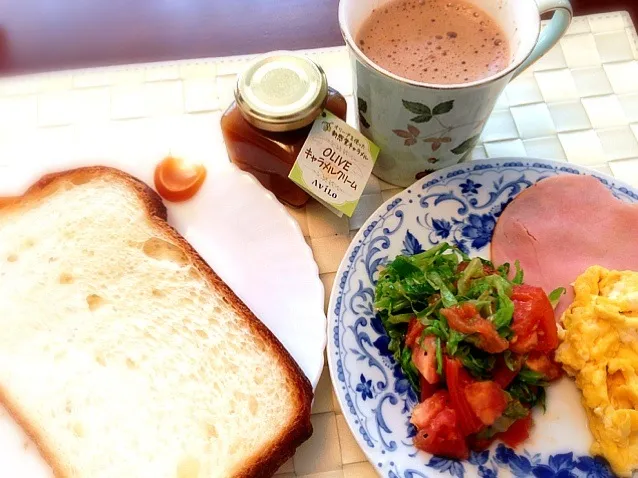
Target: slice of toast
point(123, 354)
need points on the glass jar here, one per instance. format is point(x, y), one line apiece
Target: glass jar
point(276, 101)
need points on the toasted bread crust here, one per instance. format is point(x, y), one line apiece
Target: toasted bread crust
point(263, 463)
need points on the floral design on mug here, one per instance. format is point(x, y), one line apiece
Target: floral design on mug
point(425, 114)
point(411, 135)
point(467, 145)
point(363, 109)
point(437, 142)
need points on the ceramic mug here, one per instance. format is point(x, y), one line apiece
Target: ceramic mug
point(422, 127)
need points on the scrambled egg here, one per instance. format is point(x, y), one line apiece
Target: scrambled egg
point(600, 349)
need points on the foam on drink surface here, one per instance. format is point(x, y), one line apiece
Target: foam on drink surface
point(434, 41)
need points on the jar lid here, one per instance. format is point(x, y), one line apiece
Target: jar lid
point(281, 92)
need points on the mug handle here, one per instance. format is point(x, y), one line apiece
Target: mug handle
point(553, 32)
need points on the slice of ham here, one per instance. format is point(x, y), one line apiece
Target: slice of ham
point(561, 226)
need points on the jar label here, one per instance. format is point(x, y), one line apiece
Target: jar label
point(335, 164)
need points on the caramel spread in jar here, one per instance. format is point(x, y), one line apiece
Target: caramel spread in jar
point(277, 100)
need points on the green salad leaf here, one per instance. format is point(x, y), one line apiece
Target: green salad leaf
point(503, 270)
point(502, 318)
point(555, 295)
point(416, 286)
point(401, 318)
point(409, 369)
point(454, 340)
point(435, 327)
point(515, 409)
point(437, 282)
point(477, 362)
point(531, 377)
point(510, 360)
point(518, 278)
point(439, 356)
point(501, 425)
point(528, 388)
point(474, 270)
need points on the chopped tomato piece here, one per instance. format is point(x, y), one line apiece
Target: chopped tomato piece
point(545, 365)
point(457, 379)
point(502, 374)
point(517, 433)
point(415, 328)
point(533, 321)
point(525, 321)
point(438, 428)
point(427, 388)
point(465, 318)
point(425, 411)
point(424, 358)
point(444, 438)
point(487, 400)
point(440, 433)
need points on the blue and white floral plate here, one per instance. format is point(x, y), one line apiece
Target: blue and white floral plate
point(460, 205)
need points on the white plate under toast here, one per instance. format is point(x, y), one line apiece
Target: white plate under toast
point(246, 236)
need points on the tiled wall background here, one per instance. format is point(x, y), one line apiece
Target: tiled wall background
point(579, 104)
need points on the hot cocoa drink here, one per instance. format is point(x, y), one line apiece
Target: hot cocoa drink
point(434, 41)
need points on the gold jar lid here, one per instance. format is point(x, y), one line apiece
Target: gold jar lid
point(281, 92)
